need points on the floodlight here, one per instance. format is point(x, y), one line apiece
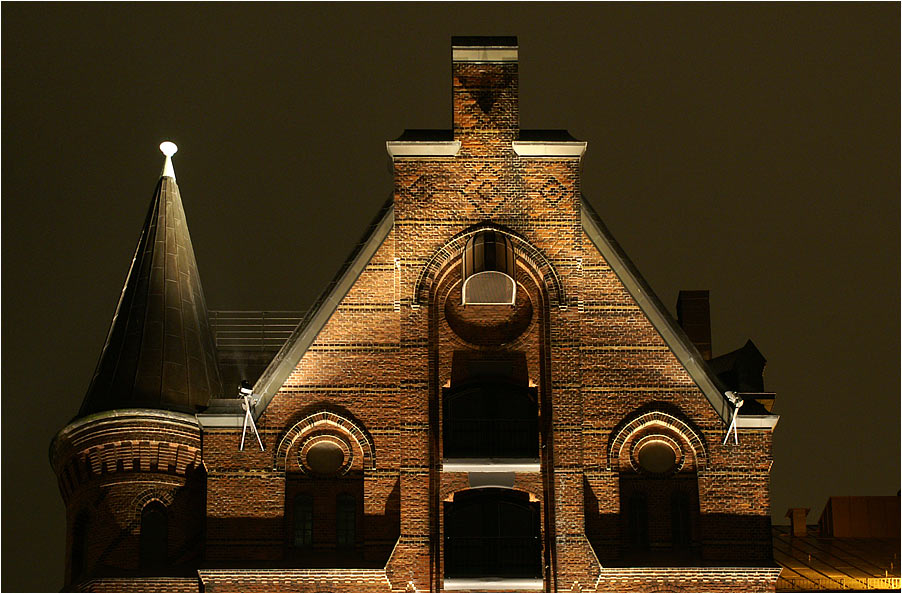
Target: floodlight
point(246, 393)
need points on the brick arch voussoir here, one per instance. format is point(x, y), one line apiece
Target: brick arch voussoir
point(320, 420)
point(142, 499)
point(454, 246)
point(661, 419)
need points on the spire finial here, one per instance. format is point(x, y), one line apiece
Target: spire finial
point(168, 149)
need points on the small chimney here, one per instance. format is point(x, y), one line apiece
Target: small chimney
point(485, 85)
point(797, 519)
point(694, 316)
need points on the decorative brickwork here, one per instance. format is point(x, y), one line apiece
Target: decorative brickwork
point(326, 421)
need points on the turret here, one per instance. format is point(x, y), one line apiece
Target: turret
point(129, 465)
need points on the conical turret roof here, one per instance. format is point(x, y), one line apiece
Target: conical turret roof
point(159, 352)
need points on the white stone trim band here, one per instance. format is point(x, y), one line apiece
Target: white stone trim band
point(527, 148)
point(484, 54)
point(757, 421)
point(401, 148)
point(494, 584)
point(225, 420)
point(490, 465)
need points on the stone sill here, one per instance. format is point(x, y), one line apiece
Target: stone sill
point(491, 465)
point(491, 583)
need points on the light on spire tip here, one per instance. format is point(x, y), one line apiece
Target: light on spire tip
point(168, 149)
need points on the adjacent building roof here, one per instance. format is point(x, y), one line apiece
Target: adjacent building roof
point(159, 352)
point(820, 562)
point(741, 370)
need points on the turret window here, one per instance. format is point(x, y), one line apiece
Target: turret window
point(154, 535)
point(79, 540)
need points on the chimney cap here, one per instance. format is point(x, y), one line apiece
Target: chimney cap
point(789, 512)
point(483, 41)
point(484, 50)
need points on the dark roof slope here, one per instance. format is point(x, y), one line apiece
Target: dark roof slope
point(546, 136)
point(439, 135)
point(159, 352)
point(426, 135)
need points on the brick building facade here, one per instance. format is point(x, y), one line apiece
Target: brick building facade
point(488, 396)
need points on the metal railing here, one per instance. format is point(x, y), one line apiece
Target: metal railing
point(493, 556)
point(491, 438)
point(252, 331)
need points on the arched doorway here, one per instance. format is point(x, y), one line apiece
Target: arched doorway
point(492, 533)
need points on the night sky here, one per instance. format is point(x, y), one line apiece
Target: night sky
point(752, 150)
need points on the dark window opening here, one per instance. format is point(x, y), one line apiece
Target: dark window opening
point(302, 521)
point(491, 419)
point(79, 540)
point(154, 536)
point(638, 522)
point(492, 533)
point(346, 520)
point(680, 519)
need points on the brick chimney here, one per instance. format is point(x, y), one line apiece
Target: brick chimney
point(797, 519)
point(485, 86)
point(694, 316)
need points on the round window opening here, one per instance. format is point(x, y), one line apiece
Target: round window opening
point(656, 457)
point(325, 457)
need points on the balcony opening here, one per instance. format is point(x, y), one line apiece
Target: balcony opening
point(492, 533)
point(490, 419)
point(488, 270)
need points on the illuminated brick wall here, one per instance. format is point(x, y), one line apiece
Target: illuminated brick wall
point(373, 381)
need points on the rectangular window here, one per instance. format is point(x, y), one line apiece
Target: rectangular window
point(346, 519)
point(303, 521)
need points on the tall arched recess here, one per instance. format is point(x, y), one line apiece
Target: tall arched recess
point(489, 396)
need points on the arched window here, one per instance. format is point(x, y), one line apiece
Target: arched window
point(79, 540)
point(488, 270)
point(154, 535)
point(302, 517)
point(346, 520)
point(491, 419)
